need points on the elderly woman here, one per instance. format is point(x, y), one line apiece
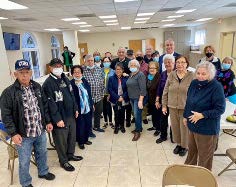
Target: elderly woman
point(226, 77)
point(82, 92)
point(169, 62)
point(118, 96)
point(209, 51)
point(107, 110)
point(153, 79)
point(204, 106)
point(174, 96)
point(136, 85)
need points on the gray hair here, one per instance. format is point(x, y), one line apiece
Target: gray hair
point(228, 58)
point(87, 57)
point(122, 48)
point(170, 40)
point(136, 63)
point(209, 67)
point(169, 57)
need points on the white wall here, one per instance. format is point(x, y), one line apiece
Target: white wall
point(44, 45)
point(103, 42)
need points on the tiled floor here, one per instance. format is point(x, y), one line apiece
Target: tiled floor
point(114, 160)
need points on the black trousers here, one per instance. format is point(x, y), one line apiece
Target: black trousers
point(97, 113)
point(164, 124)
point(64, 140)
point(156, 116)
point(107, 110)
point(128, 110)
point(119, 116)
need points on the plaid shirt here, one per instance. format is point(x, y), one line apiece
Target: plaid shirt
point(32, 114)
point(95, 78)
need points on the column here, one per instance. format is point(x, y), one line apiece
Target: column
point(70, 39)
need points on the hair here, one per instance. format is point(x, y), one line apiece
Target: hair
point(119, 64)
point(74, 67)
point(122, 49)
point(136, 63)
point(66, 47)
point(229, 58)
point(170, 40)
point(154, 63)
point(105, 58)
point(107, 52)
point(96, 53)
point(209, 46)
point(209, 67)
point(186, 59)
point(169, 57)
point(87, 57)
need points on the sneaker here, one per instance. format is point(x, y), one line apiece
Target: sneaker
point(177, 149)
point(88, 143)
point(48, 176)
point(111, 125)
point(160, 140)
point(30, 185)
point(75, 158)
point(183, 151)
point(67, 166)
point(122, 130)
point(92, 135)
point(145, 121)
point(105, 125)
point(133, 120)
point(151, 129)
point(81, 146)
point(156, 133)
point(116, 130)
point(98, 129)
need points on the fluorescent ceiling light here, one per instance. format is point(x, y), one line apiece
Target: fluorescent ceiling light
point(3, 18)
point(110, 21)
point(79, 23)
point(137, 22)
point(70, 19)
point(8, 5)
point(106, 17)
point(125, 28)
point(166, 20)
point(146, 14)
point(112, 24)
point(204, 19)
point(53, 29)
point(85, 26)
point(141, 19)
point(84, 30)
point(123, 1)
point(185, 11)
point(177, 16)
point(168, 25)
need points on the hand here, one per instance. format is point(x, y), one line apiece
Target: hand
point(120, 99)
point(49, 127)
point(93, 108)
point(164, 110)
point(125, 75)
point(17, 139)
point(108, 97)
point(195, 117)
point(60, 123)
point(185, 122)
point(140, 104)
point(76, 114)
point(158, 105)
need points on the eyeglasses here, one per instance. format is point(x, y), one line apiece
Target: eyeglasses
point(152, 68)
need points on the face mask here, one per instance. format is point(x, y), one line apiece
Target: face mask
point(57, 71)
point(90, 67)
point(106, 64)
point(139, 58)
point(78, 79)
point(226, 66)
point(97, 58)
point(209, 55)
point(150, 77)
point(133, 69)
point(156, 59)
point(98, 64)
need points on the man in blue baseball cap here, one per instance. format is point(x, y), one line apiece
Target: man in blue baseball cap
point(24, 111)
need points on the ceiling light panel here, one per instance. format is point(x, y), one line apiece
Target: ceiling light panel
point(145, 14)
point(125, 28)
point(139, 22)
point(177, 16)
point(185, 11)
point(85, 26)
point(3, 18)
point(110, 21)
point(70, 19)
point(9, 5)
point(204, 19)
point(167, 20)
point(123, 1)
point(141, 19)
point(110, 24)
point(79, 23)
point(53, 29)
point(107, 17)
point(84, 30)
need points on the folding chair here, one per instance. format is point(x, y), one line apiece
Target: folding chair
point(231, 153)
point(12, 153)
point(188, 175)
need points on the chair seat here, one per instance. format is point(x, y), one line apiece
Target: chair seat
point(231, 153)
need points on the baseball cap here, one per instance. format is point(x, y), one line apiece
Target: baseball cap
point(155, 53)
point(55, 61)
point(130, 52)
point(22, 64)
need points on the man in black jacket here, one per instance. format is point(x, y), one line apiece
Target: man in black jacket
point(63, 111)
point(24, 111)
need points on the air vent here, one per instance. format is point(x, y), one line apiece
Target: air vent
point(63, 28)
point(143, 28)
point(190, 20)
point(99, 26)
point(169, 9)
point(230, 5)
point(86, 15)
point(154, 22)
point(25, 19)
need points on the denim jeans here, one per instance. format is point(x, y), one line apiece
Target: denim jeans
point(24, 152)
point(137, 115)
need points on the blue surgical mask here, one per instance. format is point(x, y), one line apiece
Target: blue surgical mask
point(97, 58)
point(226, 66)
point(133, 69)
point(90, 67)
point(106, 64)
point(150, 77)
point(156, 59)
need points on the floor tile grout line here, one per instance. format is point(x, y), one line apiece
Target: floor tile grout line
point(140, 176)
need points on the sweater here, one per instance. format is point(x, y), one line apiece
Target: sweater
point(209, 100)
point(152, 87)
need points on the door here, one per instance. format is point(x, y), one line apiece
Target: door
point(83, 48)
point(227, 44)
point(136, 45)
point(151, 42)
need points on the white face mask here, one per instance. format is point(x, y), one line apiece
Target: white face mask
point(57, 71)
point(98, 64)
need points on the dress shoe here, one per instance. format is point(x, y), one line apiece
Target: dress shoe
point(156, 133)
point(88, 143)
point(67, 166)
point(30, 185)
point(92, 135)
point(116, 130)
point(145, 121)
point(75, 158)
point(98, 129)
point(183, 151)
point(128, 124)
point(133, 120)
point(177, 149)
point(48, 176)
point(151, 129)
point(159, 140)
point(122, 130)
point(111, 125)
point(105, 125)
point(136, 136)
point(133, 131)
point(81, 146)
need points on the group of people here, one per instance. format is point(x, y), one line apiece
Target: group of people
point(130, 85)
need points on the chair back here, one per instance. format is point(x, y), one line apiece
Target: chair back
point(188, 175)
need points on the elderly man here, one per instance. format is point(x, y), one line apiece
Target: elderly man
point(94, 75)
point(63, 111)
point(170, 49)
point(25, 115)
point(148, 56)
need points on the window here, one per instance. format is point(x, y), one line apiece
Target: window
point(55, 47)
point(200, 37)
